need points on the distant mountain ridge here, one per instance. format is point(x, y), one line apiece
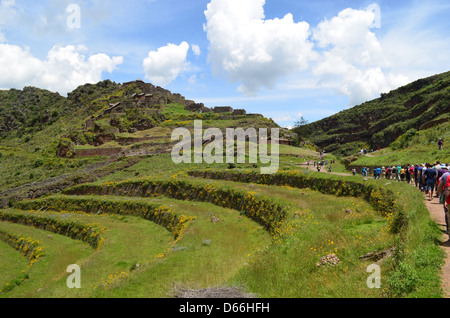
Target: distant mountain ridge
point(377, 123)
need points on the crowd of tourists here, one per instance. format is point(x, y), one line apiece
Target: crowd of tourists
point(432, 179)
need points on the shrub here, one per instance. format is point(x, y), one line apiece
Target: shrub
point(260, 209)
point(403, 281)
point(161, 215)
point(38, 163)
point(89, 233)
point(382, 200)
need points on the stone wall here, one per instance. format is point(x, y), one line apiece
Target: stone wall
point(238, 112)
point(97, 152)
point(223, 109)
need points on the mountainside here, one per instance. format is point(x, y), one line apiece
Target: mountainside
point(377, 123)
point(44, 135)
point(95, 115)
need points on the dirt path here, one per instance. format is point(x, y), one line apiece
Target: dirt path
point(324, 170)
point(437, 213)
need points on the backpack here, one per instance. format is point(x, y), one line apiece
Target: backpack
point(442, 196)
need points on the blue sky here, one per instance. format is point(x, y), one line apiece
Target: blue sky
point(282, 58)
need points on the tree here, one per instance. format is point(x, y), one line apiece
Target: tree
point(301, 122)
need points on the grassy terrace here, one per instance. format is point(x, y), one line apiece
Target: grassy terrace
point(236, 228)
point(314, 228)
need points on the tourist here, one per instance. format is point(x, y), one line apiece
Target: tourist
point(354, 171)
point(444, 169)
point(402, 174)
point(441, 144)
point(408, 174)
point(437, 167)
point(389, 173)
point(399, 168)
point(416, 175)
point(378, 173)
point(394, 173)
point(444, 183)
point(420, 176)
point(430, 181)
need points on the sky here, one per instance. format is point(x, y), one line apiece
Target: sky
point(285, 59)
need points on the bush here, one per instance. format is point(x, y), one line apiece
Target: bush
point(260, 209)
point(38, 163)
point(382, 200)
point(89, 233)
point(161, 215)
point(403, 281)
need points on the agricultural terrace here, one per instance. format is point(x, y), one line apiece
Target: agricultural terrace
point(145, 230)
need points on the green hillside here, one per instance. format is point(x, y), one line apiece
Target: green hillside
point(95, 186)
point(48, 141)
point(378, 123)
point(414, 147)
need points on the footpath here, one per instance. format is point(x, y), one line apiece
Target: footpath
point(437, 213)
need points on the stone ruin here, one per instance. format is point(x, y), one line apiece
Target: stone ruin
point(223, 109)
point(154, 95)
point(197, 108)
point(239, 112)
point(200, 108)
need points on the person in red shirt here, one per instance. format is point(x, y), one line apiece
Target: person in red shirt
point(446, 190)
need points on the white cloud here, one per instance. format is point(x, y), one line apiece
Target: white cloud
point(196, 49)
point(7, 11)
point(164, 65)
point(252, 50)
point(64, 69)
point(342, 53)
point(353, 60)
point(283, 118)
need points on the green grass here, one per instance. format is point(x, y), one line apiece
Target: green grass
point(12, 263)
point(201, 257)
point(48, 272)
point(321, 222)
point(19, 167)
point(323, 227)
point(238, 251)
point(119, 252)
